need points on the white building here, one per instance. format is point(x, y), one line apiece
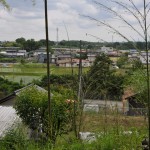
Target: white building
point(106, 49)
point(143, 57)
point(75, 63)
point(91, 57)
point(14, 53)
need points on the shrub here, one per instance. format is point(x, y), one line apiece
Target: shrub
point(32, 107)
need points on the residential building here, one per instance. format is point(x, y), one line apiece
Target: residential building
point(42, 58)
point(91, 57)
point(133, 56)
point(106, 49)
point(14, 53)
point(73, 63)
point(8, 115)
point(143, 57)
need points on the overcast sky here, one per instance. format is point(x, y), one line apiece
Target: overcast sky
point(27, 20)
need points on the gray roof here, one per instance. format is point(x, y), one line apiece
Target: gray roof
point(17, 92)
point(8, 117)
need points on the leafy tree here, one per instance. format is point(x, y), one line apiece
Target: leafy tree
point(21, 41)
point(137, 64)
point(31, 44)
point(137, 81)
point(67, 81)
point(42, 42)
point(10, 44)
point(140, 45)
point(101, 82)
point(31, 106)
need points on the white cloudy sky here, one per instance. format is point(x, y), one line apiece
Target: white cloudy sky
point(26, 20)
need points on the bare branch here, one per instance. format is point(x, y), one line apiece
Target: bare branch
point(118, 15)
point(96, 37)
point(136, 9)
point(131, 12)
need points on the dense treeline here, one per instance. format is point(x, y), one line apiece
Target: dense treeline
point(31, 44)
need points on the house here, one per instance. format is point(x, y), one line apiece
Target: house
point(113, 53)
point(62, 50)
point(133, 51)
point(9, 100)
point(73, 63)
point(42, 58)
point(143, 57)
point(91, 57)
point(124, 51)
point(14, 53)
point(64, 57)
point(39, 51)
point(106, 49)
point(133, 56)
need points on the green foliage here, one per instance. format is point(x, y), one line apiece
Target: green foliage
point(22, 61)
point(137, 81)
point(31, 45)
point(122, 61)
point(4, 3)
point(68, 81)
point(8, 60)
point(137, 64)
point(42, 43)
point(17, 139)
point(10, 44)
point(32, 107)
point(21, 41)
point(7, 87)
point(14, 139)
point(101, 82)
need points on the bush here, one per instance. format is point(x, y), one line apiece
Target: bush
point(32, 107)
point(15, 139)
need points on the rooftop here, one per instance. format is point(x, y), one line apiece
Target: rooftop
point(8, 117)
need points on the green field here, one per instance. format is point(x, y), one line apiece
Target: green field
point(29, 72)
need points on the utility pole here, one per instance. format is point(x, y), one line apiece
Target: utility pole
point(48, 74)
point(80, 74)
point(147, 67)
point(80, 98)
